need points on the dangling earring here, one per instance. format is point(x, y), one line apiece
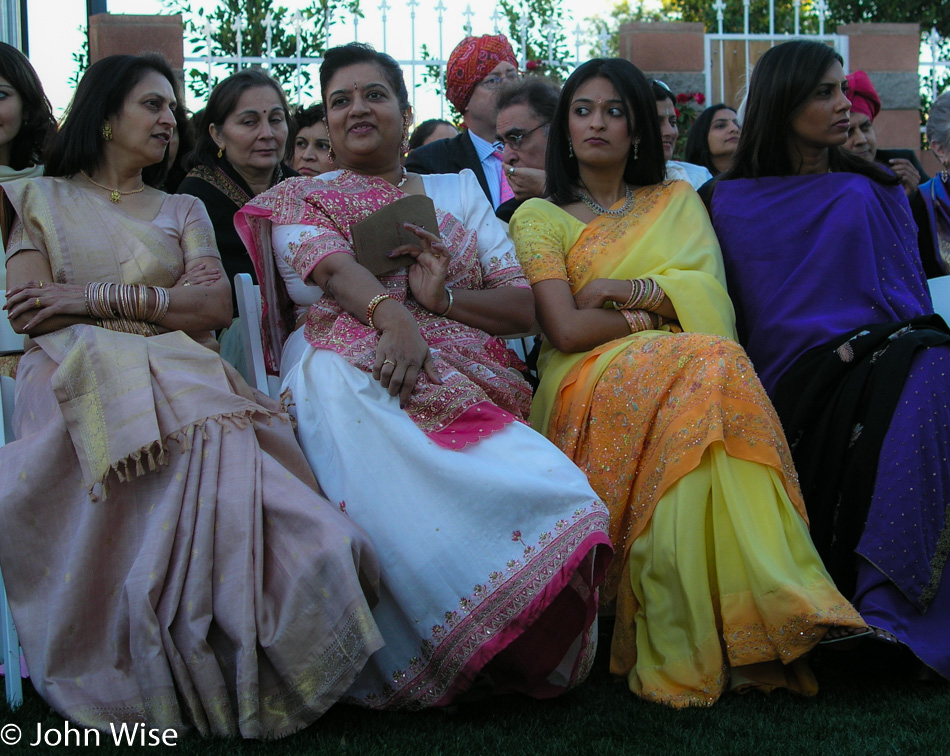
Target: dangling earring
point(636, 148)
point(405, 139)
point(107, 131)
point(570, 148)
point(330, 155)
point(944, 174)
point(220, 152)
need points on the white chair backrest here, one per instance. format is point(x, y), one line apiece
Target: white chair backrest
point(249, 310)
point(940, 293)
point(7, 389)
point(10, 340)
point(9, 641)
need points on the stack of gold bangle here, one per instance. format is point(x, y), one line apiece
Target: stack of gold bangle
point(131, 302)
point(645, 294)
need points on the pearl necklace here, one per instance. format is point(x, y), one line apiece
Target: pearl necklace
point(600, 210)
point(114, 194)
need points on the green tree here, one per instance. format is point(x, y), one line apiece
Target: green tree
point(543, 26)
point(927, 14)
point(734, 15)
point(251, 16)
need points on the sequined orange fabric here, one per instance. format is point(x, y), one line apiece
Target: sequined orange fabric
point(645, 421)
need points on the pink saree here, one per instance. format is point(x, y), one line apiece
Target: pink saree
point(168, 556)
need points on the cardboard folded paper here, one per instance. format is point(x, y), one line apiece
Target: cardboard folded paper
point(376, 236)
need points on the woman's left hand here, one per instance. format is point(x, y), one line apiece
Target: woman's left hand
point(427, 273)
point(905, 171)
point(45, 299)
point(198, 275)
point(594, 295)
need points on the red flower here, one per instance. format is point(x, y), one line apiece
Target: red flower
point(677, 111)
point(682, 97)
point(532, 65)
point(700, 98)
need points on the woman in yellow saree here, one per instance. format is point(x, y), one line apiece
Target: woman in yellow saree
point(715, 578)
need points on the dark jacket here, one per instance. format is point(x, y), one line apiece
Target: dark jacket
point(448, 156)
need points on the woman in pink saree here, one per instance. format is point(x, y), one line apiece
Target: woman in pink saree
point(167, 554)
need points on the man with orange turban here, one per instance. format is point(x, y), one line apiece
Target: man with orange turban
point(476, 69)
point(862, 140)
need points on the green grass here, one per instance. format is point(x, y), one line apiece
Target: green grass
point(865, 706)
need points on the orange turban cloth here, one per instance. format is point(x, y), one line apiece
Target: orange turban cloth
point(471, 61)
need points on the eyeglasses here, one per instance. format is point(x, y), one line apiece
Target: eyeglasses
point(494, 81)
point(662, 84)
point(514, 140)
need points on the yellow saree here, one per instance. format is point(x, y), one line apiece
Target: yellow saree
point(713, 568)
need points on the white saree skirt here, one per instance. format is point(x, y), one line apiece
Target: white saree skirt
point(490, 555)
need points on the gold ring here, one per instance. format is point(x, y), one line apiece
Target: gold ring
point(389, 362)
point(38, 305)
point(41, 284)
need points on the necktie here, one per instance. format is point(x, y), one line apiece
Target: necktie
point(506, 193)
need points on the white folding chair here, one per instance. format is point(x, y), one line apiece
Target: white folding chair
point(10, 340)
point(9, 640)
point(249, 310)
point(940, 293)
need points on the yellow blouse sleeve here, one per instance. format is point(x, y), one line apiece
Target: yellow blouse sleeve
point(542, 235)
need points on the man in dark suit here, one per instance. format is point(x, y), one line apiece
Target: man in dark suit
point(862, 141)
point(476, 69)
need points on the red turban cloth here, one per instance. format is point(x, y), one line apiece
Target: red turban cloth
point(863, 96)
point(470, 62)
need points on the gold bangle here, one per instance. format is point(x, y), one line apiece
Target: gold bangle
point(371, 308)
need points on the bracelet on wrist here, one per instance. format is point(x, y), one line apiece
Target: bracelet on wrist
point(448, 307)
point(371, 308)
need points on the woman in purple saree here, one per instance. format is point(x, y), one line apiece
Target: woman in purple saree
point(833, 308)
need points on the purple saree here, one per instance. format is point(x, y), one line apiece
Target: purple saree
point(815, 265)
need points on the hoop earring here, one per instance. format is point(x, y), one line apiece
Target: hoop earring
point(570, 148)
point(636, 148)
point(107, 131)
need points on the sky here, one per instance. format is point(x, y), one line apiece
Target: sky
point(55, 34)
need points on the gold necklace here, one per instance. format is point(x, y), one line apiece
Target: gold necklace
point(114, 194)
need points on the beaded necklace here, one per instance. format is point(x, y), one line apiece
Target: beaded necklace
point(600, 210)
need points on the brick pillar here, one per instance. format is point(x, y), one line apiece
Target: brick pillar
point(118, 34)
point(890, 55)
point(669, 51)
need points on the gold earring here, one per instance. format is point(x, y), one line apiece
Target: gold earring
point(107, 131)
point(330, 155)
point(220, 152)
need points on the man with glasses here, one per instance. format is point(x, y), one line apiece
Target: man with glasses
point(476, 70)
point(524, 117)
